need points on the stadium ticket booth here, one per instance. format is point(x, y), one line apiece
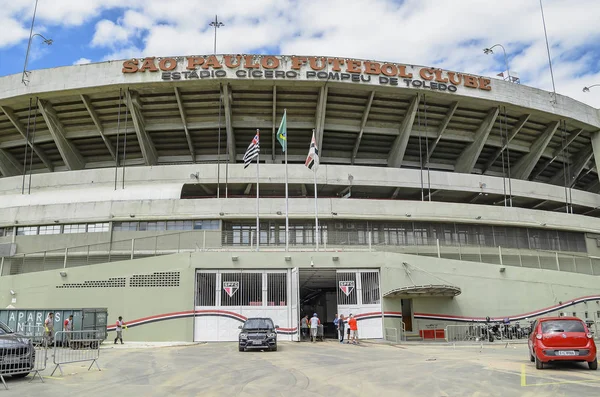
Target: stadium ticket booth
point(224, 299)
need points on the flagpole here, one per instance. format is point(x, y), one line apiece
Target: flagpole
point(316, 209)
point(257, 200)
point(287, 219)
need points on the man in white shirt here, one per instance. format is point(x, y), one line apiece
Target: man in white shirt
point(49, 328)
point(119, 329)
point(314, 327)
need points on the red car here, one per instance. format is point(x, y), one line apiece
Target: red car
point(561, 339)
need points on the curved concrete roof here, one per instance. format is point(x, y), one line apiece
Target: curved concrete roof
point(82, 121)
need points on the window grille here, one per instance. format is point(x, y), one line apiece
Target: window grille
point(206, 284)
point(370, 288)
point(276, 289)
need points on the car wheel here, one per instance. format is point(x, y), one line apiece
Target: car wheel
point(241, 349)
point(274, 349)
point(20, 375)
point(538, 363)
point(593, 364)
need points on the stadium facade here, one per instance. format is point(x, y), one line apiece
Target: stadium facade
point(443, 197)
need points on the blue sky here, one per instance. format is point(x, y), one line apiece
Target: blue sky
point(425, 32)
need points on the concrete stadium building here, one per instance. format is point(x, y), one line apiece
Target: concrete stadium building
point(443, 197)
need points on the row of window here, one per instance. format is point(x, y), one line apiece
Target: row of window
point(105, 227)
point(403, 234)
point(60, 229)
point(166, 225)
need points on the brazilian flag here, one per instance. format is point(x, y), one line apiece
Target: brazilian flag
point(282, 132)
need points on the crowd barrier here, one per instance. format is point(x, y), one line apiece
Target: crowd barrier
point(486, 333)
point(391, 335)
point(21, 356)
point(76, 347)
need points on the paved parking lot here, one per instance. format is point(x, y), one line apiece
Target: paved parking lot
point(321, 369)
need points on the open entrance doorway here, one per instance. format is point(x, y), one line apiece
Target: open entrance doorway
point(328, 292)
point(407, 314)
point(318, 294)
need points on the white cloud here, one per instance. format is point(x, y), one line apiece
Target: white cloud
point(427, 32)
point(109, 34)
point(82, 61)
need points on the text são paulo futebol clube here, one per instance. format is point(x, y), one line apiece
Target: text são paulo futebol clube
point(313, 68)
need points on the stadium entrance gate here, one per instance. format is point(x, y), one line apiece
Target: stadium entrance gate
point(225, 298)
point(328, 292)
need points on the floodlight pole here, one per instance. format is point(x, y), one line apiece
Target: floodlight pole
point(587, 89)
point(216, 24)
point(24, 79)
point(489, 51)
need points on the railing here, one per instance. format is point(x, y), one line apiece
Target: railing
point(214, 240)
point(19, 358)
point(75, 347)
point(391, 335)
point(486, 333)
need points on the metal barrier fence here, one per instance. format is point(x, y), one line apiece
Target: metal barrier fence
point(19, 357)
point(486, 333)
point(76, 347)
point(391, 335)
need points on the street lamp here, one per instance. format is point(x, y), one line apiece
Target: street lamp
point(24, 79)
point(216, 24)
point(489, 50)
point(587, 89)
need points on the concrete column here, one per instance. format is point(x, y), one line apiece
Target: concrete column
point(320, 118)
point(525, 165)
point(580, 160)
point(595, 139)
point(399, 147)
point(363, 123)
point(227, 99)
point(9, 166)
point(183, 115)
point(98, 123)
point(14, 119)
point(467, 159)
point(146, 145)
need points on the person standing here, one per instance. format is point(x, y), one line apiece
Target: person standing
point(49, 328)
point(68, 327)
point(340, 326)
point(304, 327)
point(335, 323)
point(119, 329)
point(353, 330)
point(314, 327)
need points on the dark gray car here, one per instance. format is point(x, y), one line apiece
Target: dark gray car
point(17, 354)
point(258, 333)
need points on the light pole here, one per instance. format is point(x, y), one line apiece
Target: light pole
point(24, 79)
point(490, 51)
point(216, 24)
point(587, 89)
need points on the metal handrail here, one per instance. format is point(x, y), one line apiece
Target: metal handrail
point(227, 241)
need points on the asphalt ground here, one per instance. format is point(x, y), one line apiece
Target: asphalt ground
point(319, 369)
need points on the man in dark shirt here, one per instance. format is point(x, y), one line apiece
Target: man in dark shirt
point(340, 326)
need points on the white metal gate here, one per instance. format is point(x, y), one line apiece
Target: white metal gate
point(358, 293)
point(226, 298)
